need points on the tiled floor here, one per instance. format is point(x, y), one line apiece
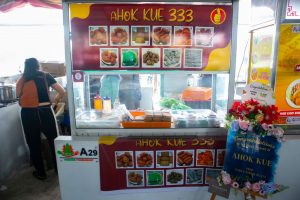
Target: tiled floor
point(23, 186)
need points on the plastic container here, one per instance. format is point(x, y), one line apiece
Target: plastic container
point(212, 121)
point(180, 122)
point(200, 118)
point(116, 103)
point(98, 103)
point(106, 105)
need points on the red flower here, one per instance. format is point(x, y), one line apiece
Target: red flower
point(250, 109)
point(271, 114)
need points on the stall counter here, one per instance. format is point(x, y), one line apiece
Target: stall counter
point(80, 178)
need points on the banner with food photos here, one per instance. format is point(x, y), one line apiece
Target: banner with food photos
point(159, 162)
point(287, 85)
point(148, 36)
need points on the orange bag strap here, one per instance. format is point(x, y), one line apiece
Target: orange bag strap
point(21, 92)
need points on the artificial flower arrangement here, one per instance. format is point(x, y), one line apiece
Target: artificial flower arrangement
point(261, 187)
point(253, 117)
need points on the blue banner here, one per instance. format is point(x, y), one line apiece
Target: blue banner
point(250, 157)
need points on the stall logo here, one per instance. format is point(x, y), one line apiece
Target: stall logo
point(84, 155)
point(218, 16)
point(67, 151)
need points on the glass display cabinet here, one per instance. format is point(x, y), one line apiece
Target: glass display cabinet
point(148, 68)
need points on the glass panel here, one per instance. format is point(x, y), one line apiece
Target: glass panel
point(175, 100)
point(222, 81)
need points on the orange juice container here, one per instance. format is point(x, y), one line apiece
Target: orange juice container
point(98, 103)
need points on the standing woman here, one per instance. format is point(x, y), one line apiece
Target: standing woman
point(37, 113)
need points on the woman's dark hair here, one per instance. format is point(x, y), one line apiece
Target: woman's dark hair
point(31, 68)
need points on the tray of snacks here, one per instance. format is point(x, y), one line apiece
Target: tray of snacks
point(196, 118)
point(147, 119)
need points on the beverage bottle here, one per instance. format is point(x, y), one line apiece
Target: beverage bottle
point(98, 103)
point(106, 105)
point(116, 103)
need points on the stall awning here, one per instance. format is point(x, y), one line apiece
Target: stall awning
point(7, 5)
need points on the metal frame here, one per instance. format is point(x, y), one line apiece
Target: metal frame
point(278, 21)
point(231, 87)
point(68, 61)
point(272, 23)
point(125, 132)
point(206, 2)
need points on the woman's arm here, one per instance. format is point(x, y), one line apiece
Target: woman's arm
point(60, 92)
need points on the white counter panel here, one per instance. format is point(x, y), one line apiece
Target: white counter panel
point(81, 179)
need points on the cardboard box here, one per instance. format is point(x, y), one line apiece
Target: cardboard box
point(56, 69)
point(196, 94)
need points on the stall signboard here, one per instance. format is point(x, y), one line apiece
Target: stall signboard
point(287, 88)
point(148, 36)
point(250, 157)
point(261, 55)
point(159, 162)
point(260, 92)
point(292, 9)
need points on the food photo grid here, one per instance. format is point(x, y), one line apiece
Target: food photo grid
point(130, 57)
point(220, 157)
point(155, 178)
point(161, 35)
point(135, 178)
point(98, 36)
point(211, 173)
point(151, 57)
point(140, 35)
point(184, 158)
point(194, 176)
point(175, 176)
point(151, 47)
point(144, 159)
point(119, 35)
point(109, 57)
point(124, 159)
point(161, 168)
point(204, 36)
point(165, 159)
point(205, 157)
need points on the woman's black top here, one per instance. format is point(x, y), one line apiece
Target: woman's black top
point(41, 85)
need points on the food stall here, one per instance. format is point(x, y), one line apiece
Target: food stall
point(149, 85)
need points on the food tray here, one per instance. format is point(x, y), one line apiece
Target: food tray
point(142, 124)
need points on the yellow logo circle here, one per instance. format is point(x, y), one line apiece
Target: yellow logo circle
point(218, 16)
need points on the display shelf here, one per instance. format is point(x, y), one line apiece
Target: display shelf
point(151, 132)
point(97, 72)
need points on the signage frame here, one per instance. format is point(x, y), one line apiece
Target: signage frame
point(68, 59)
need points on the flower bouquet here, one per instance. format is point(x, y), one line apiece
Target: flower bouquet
point(260, 188)
point(253, 116)
point(252, 148)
